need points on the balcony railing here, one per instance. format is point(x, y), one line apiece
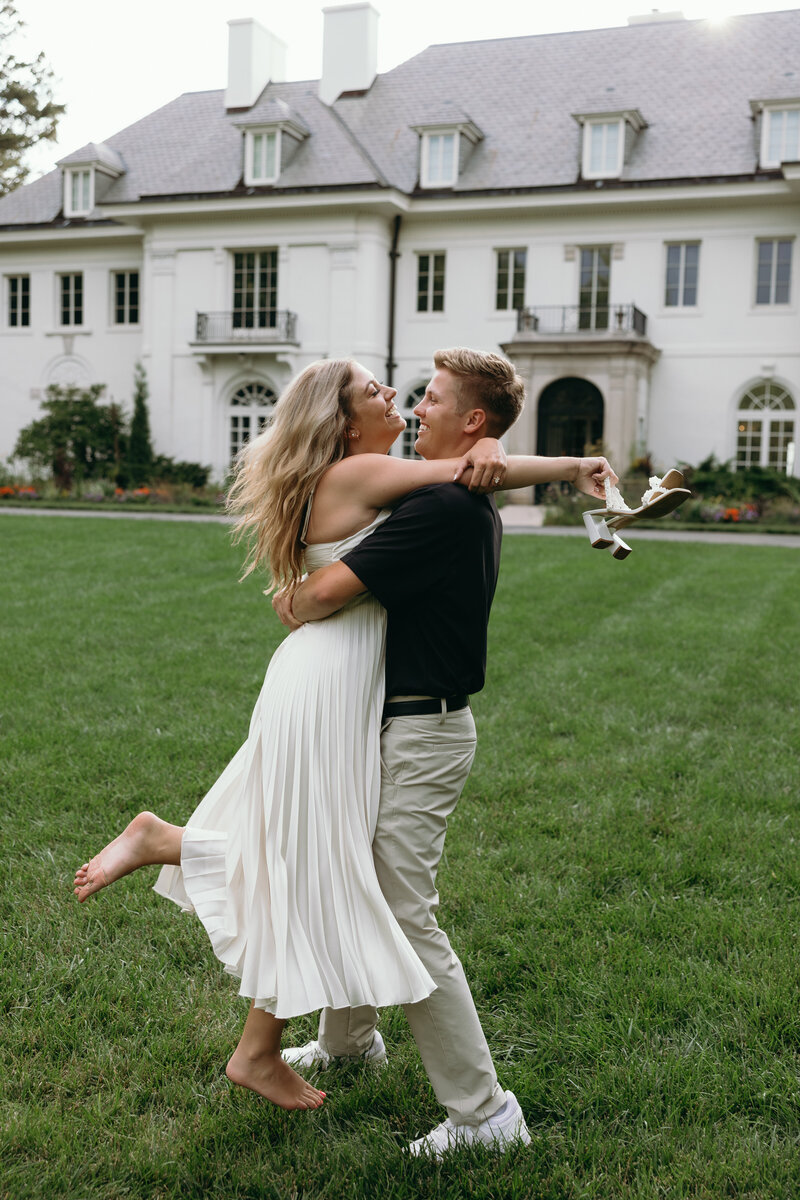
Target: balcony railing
point(575, 318)
point(249, 327)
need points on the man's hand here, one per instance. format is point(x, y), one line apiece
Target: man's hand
point(592, 473)
point(488, 461)
point(282, 603)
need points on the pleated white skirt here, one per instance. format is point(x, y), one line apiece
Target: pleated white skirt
point(277, 858)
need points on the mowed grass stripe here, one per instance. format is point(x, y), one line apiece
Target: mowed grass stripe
point(620, 879)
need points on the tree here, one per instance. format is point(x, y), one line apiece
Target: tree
point(77, 438)
point(28, 113)
point(139, 459)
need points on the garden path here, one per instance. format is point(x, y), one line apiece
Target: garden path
point(517, 518)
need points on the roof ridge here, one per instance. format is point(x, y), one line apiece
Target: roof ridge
point(529, 37)
point(365, 154)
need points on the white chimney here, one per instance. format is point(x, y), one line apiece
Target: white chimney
point(349, 50)
point(656, 17)
point(255, 58)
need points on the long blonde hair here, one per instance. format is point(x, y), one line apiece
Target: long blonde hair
point(275, 473)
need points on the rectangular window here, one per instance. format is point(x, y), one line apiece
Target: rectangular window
point(430, 283)
point(774, 271)
point(126, 297)
point(71, 307)
point(439, 160)
point(781, 140)
point(603, 146)
point(265, 157)
point(510, 290)
point(680, 289)
point(78, 198)
point(255, 289)
point(19, 301)
point(595, 284)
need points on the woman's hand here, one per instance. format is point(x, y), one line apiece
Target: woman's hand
point(591, 476)
point(282, 603)
point(488, 461)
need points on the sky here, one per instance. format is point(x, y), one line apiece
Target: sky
point(115, 63)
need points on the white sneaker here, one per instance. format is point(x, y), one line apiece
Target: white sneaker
point(313, 1057)
point(505, 1128)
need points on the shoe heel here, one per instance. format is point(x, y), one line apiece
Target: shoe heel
point(599, 534)
point(621, 549)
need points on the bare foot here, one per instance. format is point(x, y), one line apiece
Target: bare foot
point(133, 848)
point(274, 1079)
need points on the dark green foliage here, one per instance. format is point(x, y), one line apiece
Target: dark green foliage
point(712, 479)
point(167, 470)
point(28, 113)
point(139, 457)
point(77, 438)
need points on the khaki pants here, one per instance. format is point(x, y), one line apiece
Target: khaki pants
point(425, 761)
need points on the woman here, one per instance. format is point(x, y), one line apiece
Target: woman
point(276, 860)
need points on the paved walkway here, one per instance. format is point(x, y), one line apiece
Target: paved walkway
point(521, 518)
point(517, 518)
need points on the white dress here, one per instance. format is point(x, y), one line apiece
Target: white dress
point(276, 860)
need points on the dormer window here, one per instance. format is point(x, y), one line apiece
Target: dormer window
point(603, 145)
point(607, 141)
point(445, 147)
point(439, 160)
point(88, 175)
point(78, 192)
point(780, 134)
point(263, 156)
point(273, 133)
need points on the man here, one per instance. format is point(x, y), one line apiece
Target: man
point(433, 565)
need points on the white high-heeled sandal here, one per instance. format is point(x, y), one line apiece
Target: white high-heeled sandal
point(662, 497)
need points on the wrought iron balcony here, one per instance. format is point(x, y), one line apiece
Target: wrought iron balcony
point(577, 318)
point(252, 328)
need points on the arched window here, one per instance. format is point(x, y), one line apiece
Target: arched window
point(404, 446)
point(250, 410)
point(765, 427)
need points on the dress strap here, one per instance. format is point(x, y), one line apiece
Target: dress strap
point(307, 517)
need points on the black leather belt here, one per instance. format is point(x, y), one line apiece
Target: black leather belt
point(419, 708)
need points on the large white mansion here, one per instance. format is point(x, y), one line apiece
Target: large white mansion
point(618, 210)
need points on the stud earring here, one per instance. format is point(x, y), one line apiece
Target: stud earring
point(353, 433)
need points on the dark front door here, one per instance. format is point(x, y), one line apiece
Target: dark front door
point(570, 418)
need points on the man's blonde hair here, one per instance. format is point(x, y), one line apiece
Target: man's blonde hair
point(485, 381)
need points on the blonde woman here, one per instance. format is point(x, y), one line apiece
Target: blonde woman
point(276, 860)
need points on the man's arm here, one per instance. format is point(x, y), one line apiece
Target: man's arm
point(322, 593)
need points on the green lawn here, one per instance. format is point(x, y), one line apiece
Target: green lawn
point(621, 880)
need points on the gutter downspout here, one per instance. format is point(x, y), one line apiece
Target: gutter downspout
point(393, 257)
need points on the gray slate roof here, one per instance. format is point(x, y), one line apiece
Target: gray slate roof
point(692, 81)
point(94, 152)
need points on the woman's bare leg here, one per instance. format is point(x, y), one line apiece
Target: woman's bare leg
point(146, 840)
point(257, 1064)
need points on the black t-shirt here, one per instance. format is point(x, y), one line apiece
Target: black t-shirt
point(433, 565)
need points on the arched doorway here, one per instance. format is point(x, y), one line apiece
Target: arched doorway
point(570, 418)
point(249, 411)
point(766, 427)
